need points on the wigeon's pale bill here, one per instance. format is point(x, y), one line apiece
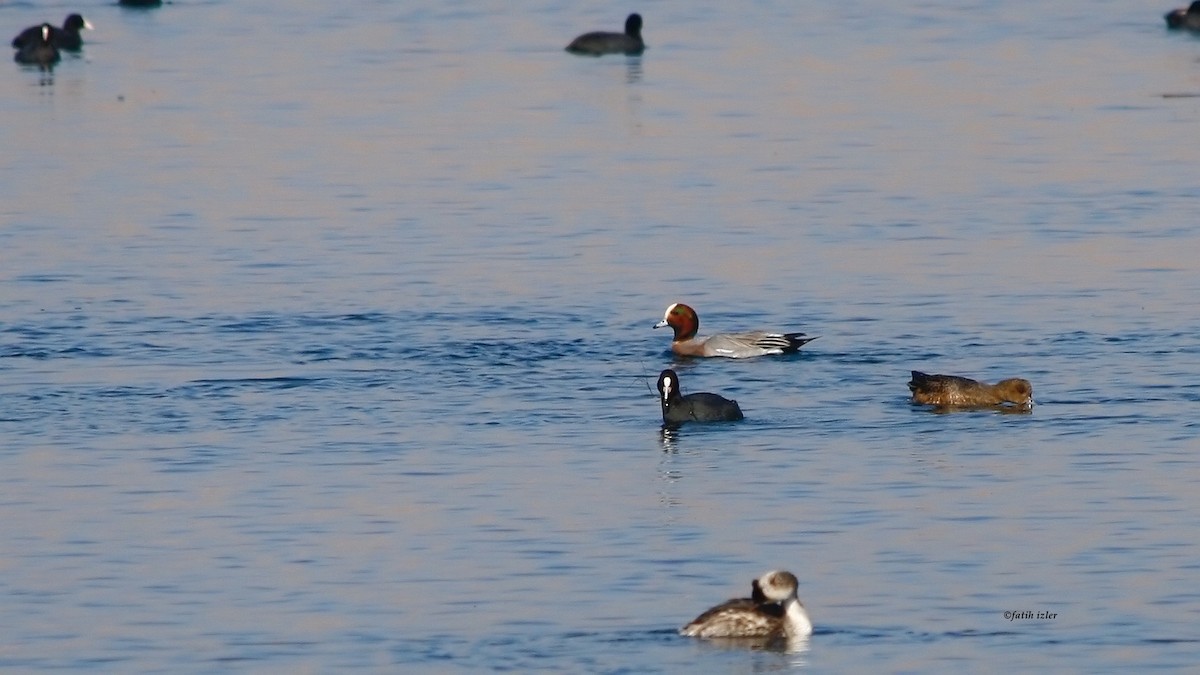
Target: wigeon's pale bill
point(772, 611)
point(698, 407)
point(599, 42)
point(960, 392)
point(686, 324)
point(1188, 19)
point(67, 37)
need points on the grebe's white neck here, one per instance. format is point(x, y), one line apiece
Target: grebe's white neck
point(795, 619)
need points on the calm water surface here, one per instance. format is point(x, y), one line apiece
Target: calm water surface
point(325, 336)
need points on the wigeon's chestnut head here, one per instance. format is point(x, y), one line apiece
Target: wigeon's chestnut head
point(67, 37)
point(698, 407)
point(40, 52)
point(684, 321)
point(773, 611)
point(951, 391)
point(1186, 19)
point(600, 42)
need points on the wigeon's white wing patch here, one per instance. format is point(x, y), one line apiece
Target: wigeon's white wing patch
point(740, 345)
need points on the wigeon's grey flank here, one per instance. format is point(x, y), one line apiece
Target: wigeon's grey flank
point(1188, 19)
point(772, 611)
point(599, 42)
point(686, 324)
point(40, 52)
point(698, 407)
point(952, 391)
point(66, 37)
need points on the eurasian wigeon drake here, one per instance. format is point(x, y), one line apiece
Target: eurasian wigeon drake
point(772, 611)
point(598, 43)
point(686, 324)
point(39, 52)
point(66, 37)
point(952, 391)
point(698, 407)
point(1184, 18)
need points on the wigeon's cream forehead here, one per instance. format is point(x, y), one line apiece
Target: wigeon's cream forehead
point(680, 312)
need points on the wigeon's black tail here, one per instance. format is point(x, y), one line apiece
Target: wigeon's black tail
point(794, 341)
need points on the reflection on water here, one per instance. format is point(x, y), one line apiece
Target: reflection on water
point(795, 646)
point(633, 69)
point(669, 437)
point(1001, 409)
point(45, 74)
point(325, 346)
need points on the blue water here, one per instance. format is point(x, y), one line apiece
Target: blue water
point(325, 336)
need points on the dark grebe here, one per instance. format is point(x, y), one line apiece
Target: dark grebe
point(1188, 18)
point(600, 42)
point(40, 52)
point(698, 407)
point(66, 37)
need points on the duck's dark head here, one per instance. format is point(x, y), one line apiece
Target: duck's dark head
point(633, 25)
